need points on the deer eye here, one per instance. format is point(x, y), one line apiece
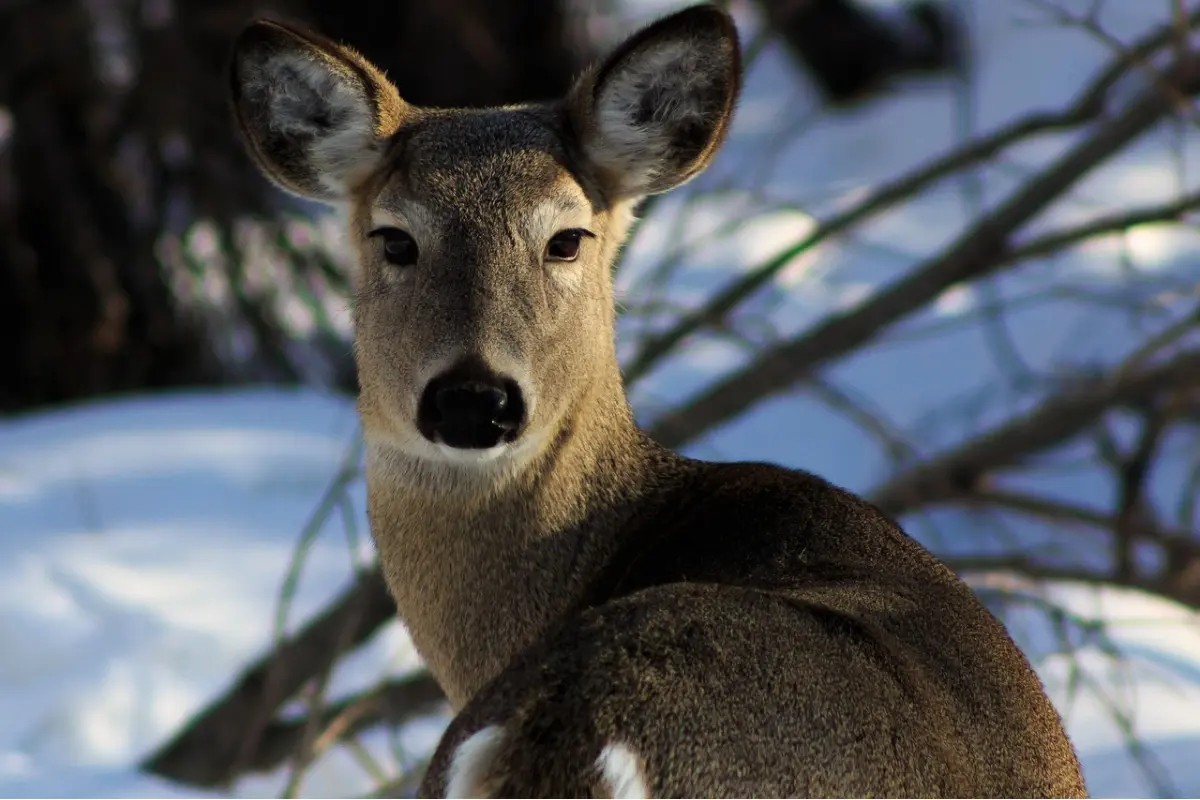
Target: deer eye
point(399, 248)
point(564, 245)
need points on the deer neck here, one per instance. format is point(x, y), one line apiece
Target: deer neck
point(480, 569)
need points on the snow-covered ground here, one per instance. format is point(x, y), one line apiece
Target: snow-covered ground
point(144, 543)
point(144, 548)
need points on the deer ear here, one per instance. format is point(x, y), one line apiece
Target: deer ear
point(653, 115)
point(314, 114)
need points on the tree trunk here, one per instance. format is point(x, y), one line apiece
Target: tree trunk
point(460, 52)
point(83, 309)
point(118, 133)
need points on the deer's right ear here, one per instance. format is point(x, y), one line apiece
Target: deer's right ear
point(653, 115)
point(315, 115)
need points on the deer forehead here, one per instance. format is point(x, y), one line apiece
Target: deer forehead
point(505, 172)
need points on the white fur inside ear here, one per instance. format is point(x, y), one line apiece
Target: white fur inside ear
point(472, 763)
point(621, 773)
point(648, 99)
point(324, 109)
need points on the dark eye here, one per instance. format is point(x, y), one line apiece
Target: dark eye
point(564, 245)
point(399, 248)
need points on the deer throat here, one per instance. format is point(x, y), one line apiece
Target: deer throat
point(478, 575)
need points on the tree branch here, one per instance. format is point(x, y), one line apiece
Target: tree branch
point(1025, 567)
point(975, 254)
point(1061, 511)
point(1088, 106)
point(1131, 504)
point(392, 703)
point(1050, 243)
point(1180, 548)
point(213, 748)
point(958, 473)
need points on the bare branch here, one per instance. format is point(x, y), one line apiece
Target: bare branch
point(1088, 106)
point(1026, 567)
point(1180, 548)
point(1090, 24)
point(208, 751)
point(897, 446)
point(1131, 492)
point(392, 703)
point(959, 472)
point(1050, 243)
point(975, 254)
point(1061, 511)
point(1163, 339)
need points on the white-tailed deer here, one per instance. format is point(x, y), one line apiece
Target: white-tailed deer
point(608, 618)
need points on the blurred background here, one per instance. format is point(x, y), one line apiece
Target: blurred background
point(948, 259)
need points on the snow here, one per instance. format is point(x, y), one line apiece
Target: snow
point(1154, 687)
point(145, 545)
point(144, 541)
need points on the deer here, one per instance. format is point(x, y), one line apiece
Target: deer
point(607, 617)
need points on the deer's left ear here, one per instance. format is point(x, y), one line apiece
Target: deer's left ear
point(654, 114)
point(316, 115)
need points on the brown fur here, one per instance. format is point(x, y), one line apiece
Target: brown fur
point(741, 629)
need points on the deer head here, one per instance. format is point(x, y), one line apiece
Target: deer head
point(483, 296)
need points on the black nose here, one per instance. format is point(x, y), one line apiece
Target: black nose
point(470, 407)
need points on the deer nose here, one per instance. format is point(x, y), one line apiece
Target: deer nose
point(471, 408)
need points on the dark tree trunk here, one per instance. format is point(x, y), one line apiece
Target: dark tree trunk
point(118, 133)
point(854, 51)
point(460, 52)
point(83, 310)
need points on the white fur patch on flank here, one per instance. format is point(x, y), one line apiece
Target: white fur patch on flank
point(621, 774)
point(472, 763)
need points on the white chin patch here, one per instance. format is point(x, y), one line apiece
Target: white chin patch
point(459, 455)
point(505, 454)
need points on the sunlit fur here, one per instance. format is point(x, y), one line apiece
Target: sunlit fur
point(482, 192)
point(508, 565)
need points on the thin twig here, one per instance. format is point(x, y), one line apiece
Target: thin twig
point(1050, 243)
point(206, 752)
point(1088, 106)
point(958, 472)
point(975, 254)
point(1091, 25)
